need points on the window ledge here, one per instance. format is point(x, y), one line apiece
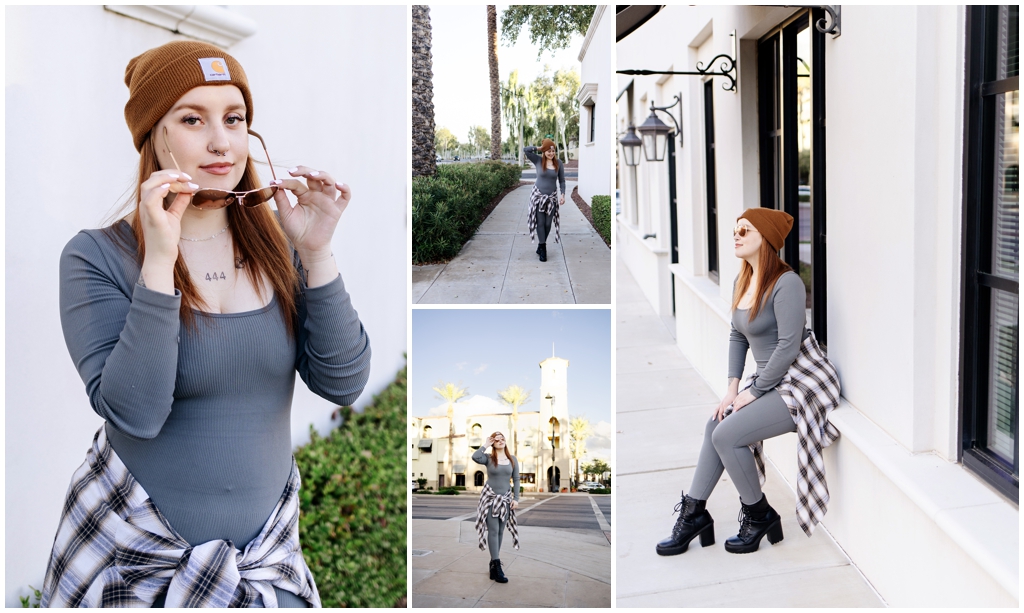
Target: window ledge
point(215, 24)
point(652, 246)
point(705, 289)
point(980, 521)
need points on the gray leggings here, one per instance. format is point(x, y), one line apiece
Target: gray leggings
point(543, 226)
point(725, 446)
point(495, 530)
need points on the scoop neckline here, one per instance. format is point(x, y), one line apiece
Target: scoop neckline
point(273, 301)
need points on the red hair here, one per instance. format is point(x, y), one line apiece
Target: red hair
point(770, 268)
point(494, 452)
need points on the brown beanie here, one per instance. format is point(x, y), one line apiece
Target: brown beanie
point(159, 77)
point(546, 144)
point(773, 225)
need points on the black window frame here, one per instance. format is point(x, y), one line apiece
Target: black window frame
point(978, 283)
point(778, 160)
point(710, 176)
point(592, 112)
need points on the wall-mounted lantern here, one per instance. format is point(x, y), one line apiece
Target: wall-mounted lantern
point(630, 146)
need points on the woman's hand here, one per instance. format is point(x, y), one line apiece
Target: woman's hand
point(515, 504)
point(311, 222)
point(743, 399)
point(561, 200)
point(161, 225)
point(723, 406)
point(488, 442)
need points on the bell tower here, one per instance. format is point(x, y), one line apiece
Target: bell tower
point(554, 422)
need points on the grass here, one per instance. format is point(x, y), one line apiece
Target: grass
point(352, 521)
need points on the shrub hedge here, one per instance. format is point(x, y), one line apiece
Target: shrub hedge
point(353, 504)
point(601, 209)
point(446, 208)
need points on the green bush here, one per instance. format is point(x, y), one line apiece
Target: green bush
point(448, 491)
point(353, 504)
point(601, 209)
point(461, 488)
point(601, 491)
point(446, 208)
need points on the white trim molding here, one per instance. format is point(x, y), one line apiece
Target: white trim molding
point(214, 24)
point(592, 29)
point(587, 93)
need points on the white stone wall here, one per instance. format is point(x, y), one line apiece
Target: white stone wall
point(595, 178)
point(330, 90)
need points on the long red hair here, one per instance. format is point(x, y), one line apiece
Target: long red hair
point(544, 159)
point(494, 452)
point(257, 237)
point(770, 268)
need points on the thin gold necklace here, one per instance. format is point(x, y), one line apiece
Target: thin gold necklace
point(210, 238)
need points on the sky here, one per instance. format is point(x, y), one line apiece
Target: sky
point(462, 90)
point(490, 349)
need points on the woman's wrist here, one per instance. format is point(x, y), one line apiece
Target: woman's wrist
point(157, 276)
point(320, 266)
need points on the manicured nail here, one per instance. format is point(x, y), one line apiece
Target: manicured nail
point(165, 186)
point(173, 176)
point(293, 170)
point(340, 185)
point(314, 173)
point(276, 182)
point(193, 186)
point(187, 178)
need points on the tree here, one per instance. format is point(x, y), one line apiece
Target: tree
point(452, 393)
point(596, 468)
point(479, 138)
point(551, 26)
point(579, 432)
point(515, 397)
point(555, 109)
point(516, 100)
point(445, 141)
point(424, 156)
point(492, 62)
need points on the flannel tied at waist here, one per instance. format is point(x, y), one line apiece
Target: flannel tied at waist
point(115, 549)
point(810, 388)
point(545, 203)
point(491, 504)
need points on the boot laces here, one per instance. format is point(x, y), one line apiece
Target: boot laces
point(746, 523)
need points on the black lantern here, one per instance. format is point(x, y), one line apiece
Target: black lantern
point(655, 134)
point(630, 145)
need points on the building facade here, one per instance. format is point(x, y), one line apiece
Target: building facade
point(538, 439)
point(892, 132)
point(595, 143)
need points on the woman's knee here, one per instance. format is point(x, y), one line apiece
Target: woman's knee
point(722, 438)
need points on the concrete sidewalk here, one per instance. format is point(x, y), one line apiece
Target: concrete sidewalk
point(662, 406)
point(499, 265)
point(554, 567)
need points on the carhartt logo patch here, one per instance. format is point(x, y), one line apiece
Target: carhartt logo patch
point(214, 69)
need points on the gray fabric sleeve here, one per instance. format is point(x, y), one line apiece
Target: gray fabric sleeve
point(790, 316)
point(124, 347)
point(515, 477)
point(480, 456)
point(531, 154)
point(561, 176)
point(332, 348)
point(738, 346)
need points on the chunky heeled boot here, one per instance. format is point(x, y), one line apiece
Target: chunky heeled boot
point(756, 520)
point(542, 251)
point(538, 248)
point(693, 520)
point(496, 573)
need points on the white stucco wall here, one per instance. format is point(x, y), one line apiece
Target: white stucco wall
point(595, 177)
point(330, 90)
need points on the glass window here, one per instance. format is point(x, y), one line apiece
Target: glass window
point(710, 179)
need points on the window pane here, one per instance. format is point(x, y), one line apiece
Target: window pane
point(1006, 208)
point(803, 141)
point(1002, 384)
point(1008, 50)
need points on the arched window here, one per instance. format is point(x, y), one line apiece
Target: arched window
point(477, 428)
point(427, 432)
point(478, 479)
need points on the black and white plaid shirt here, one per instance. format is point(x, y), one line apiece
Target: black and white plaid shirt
point(810, 388)
point(496, 506)
point(545, 203)
point(115, 549)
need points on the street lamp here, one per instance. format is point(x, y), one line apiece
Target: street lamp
point(551, 480)
point(630, 144)
point(655, 132)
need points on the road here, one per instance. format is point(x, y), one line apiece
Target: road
point(572, 511)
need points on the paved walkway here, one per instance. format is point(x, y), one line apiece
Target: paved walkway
point(662, 406)
point(554, 567)
point(499, 265)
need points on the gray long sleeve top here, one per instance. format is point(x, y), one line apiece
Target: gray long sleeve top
point(202, 419)
point(546, 178)
point(498, 476)
point(774, 336)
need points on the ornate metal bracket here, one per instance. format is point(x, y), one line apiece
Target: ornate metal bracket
point(727, 70)
point(831, 22)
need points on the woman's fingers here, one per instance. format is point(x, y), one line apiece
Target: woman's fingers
point(317, 180)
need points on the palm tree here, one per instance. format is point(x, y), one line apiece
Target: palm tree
point(424, 161)
point(579, 432)
point(452, 393)
point(515, 397)
point(492, 62)
point(516, 101)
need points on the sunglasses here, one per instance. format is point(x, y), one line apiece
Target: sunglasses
point(209, 199)
point(742, 231)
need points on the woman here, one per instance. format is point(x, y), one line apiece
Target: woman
point(795, 384)
point(187, 320)
point(498, 500)
point(543, 210)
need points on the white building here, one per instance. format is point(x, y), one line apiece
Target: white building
point(330, 88)
point(595, 144)
point(543, 440)
point(917, 179)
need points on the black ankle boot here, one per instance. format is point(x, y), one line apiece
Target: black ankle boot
point(496, 573)
point(538, 248)
point(693, 520)
point(542, 251)
point(756, 520)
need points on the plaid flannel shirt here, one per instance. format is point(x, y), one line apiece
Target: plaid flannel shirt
point(497, 506)
point(545, 203)
point(810, 388)
point(115, 549)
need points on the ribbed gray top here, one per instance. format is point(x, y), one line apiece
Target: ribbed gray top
point(498, 476)
point(774, 336)
point(201, 419)
point(546, 178)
